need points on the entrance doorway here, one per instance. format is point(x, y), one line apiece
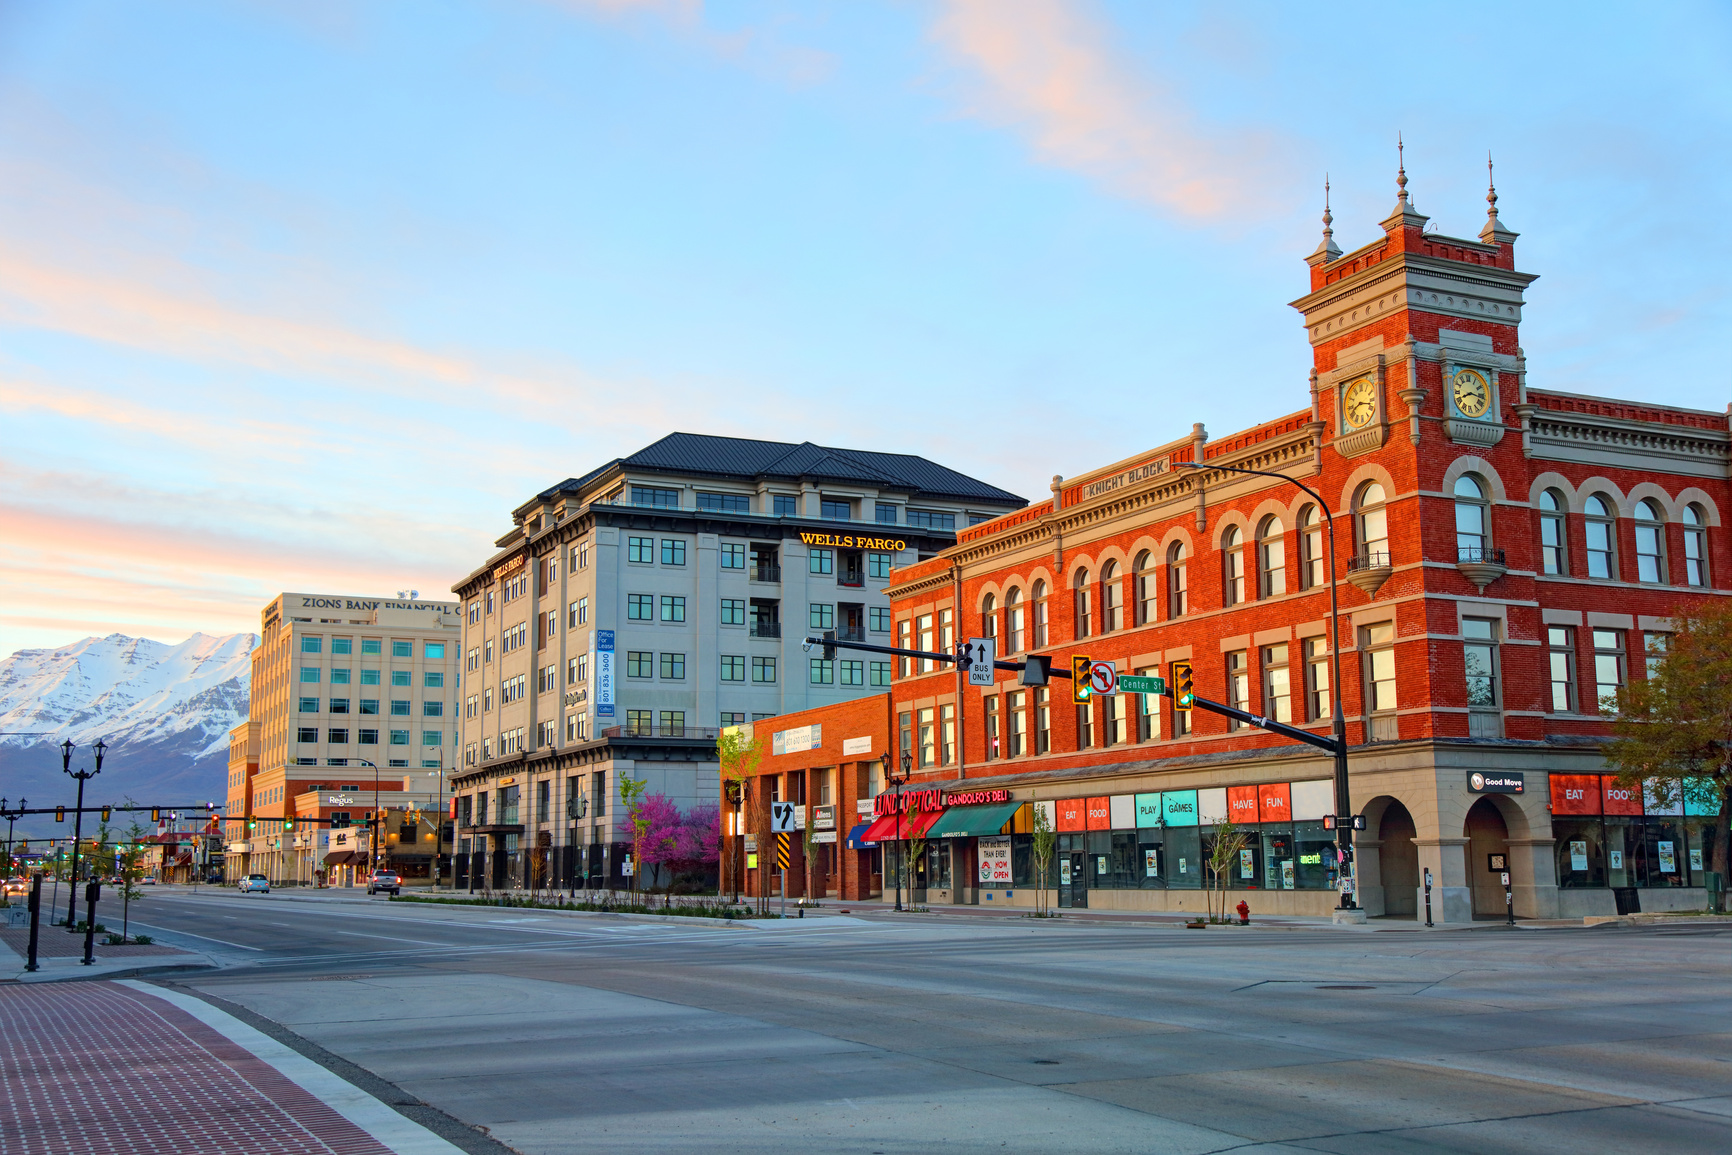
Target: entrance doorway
point(1073, 888)
point(1486, 835)
point(1398, 859)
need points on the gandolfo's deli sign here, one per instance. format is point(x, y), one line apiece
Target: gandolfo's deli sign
point(845, 541)
point(918, 800)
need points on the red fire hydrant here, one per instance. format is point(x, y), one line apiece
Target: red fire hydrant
point(1244, 909)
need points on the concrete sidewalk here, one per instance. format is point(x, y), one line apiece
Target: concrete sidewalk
point(103, 1067)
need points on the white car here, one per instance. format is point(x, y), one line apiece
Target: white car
point(147, 880)
point(255, 882)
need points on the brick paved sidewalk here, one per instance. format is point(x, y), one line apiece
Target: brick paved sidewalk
point(55, 942)
point(94, 1068)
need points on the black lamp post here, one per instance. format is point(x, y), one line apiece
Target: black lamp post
point(83, 776)
point(11, 816)
point(372, 839)
point(1338, 727)
point(898, 781)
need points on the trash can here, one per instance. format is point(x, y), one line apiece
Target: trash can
point(1716, 883)
point(1627, 899)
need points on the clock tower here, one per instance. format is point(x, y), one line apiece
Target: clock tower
point(1415, 325)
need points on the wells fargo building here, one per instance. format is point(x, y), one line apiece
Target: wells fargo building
point(1509, 554)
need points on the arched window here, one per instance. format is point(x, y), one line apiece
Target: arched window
point(1650, 542)
point(1232, 567)
point(1472, 519)
point(1014, 621)
point(1311, 572)
point(1176, 596)
point(1695, 546)
point(1371, 524)
point(1112, 598)
point(989, 617)
point(1554, 545)
point(1084, 605)
point(1144, 588)
point(1038, 595)
point(1271, 558)
point(1601, 529)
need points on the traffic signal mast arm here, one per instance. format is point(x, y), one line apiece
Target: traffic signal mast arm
point(1269, 724)
point(831, 643)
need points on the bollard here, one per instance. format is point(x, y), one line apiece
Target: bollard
point(1428, 896)
point(1508, 899)
point(35, 918)
point(92, 891)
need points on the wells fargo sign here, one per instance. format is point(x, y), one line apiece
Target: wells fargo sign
point(844, 541)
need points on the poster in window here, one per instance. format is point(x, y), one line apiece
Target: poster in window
point(1183, 867)
point(1064, 871)
point(1668, 860)
point(1246, 864)
point(1695, 858)
point(1152, 862)
point(1615, 859)
point(1578, 856)
point(994, 861)
point(1286, 874)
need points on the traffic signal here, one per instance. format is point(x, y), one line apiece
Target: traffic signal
point(156, 814)
point(1183, 694)
point(60, 814)
point(105, 812)
point(252, 824)
point(829, 645)
point(288, 824)
point(1079, 677)
point(24, 847)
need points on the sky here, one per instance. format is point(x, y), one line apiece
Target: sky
point(309, 295)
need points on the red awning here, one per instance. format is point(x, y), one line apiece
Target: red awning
point(887, 828)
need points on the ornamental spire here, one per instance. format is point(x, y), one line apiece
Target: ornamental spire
point(1403, 215)
point(1494, 232)
point(1327, 250)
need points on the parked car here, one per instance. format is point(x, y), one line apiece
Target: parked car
point(15, 888)
point(147, 880)
point(384, 880)
point(255, 882)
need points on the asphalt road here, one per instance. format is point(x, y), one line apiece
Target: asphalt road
point(892, 1034)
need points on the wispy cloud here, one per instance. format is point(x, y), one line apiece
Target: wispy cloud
point(1049, 69)
point(754, 47)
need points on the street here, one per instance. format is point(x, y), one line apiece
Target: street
point(898, 1033)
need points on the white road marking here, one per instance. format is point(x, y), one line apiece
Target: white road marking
point(205, 937)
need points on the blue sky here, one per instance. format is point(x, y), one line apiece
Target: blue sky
point(309, 295)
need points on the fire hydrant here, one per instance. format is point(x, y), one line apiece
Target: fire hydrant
point(1244, 909)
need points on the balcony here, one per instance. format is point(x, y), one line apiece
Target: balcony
point(851, 634)
point(1368, 570)
point(764, 629)
point(766, 572)
point(851, 577)
point(1480, 565)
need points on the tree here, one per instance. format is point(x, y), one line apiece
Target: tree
point(659, 842)
point(697, 841)
point(1045, 841)
point(1673, 733)
point(636, 825)
point(131, 870)
point(739, 754)
point(1224, 853)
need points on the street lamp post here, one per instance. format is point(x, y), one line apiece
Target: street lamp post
point(898, 780)
point(83, 776)
point(11, 816)
point(1338, 726)
point(372, 838)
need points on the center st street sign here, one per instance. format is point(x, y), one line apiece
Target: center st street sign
point(1138, 684)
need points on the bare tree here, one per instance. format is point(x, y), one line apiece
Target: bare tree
point(1045, 842)
point(1224, 854)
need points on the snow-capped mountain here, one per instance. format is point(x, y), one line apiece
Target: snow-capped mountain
point(165, 712)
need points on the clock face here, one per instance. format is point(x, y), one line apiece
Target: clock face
point(1472, 394)
point(1359, 403)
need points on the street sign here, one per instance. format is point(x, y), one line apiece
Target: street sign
point(782, 816)
point(981, 653)
point(1103, 678)
point(1138, 684)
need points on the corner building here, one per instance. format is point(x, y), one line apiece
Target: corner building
point(1507, 554)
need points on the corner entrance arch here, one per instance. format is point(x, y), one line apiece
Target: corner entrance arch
point(1487, 834)
point(1399, 860)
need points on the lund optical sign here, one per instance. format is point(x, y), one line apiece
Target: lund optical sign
point(1495, 782)
point(845, 541)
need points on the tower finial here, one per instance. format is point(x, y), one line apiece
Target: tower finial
point(1400, 169)
point(1491, 191)
point(1327, 250)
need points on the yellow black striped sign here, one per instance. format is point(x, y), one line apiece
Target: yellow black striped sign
point(782, 850)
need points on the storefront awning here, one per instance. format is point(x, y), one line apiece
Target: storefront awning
point(963, 821)
point(857, 837)
point(889, 829)
point(339, 857)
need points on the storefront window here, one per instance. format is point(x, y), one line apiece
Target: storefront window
point(938, 863)
point(1182, 857)
point(1581, 853)
point(1314, 851)
point(1663, 862)
point(1127, 861)
point(1280, 861)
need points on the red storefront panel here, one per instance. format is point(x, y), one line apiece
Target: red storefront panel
point(1575, 793)
point(1619, 799)
point(1242, 804)
point(1100, 814)
point(1071, 814)
point(1275, 802)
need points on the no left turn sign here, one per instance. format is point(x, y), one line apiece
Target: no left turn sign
point(1103, 678)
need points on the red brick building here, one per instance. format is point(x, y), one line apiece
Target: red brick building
point(1508, 556)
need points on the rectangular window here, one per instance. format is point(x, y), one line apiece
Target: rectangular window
point(885, 514)
point(835, 510)
point(369, 705)
point(640, 550)
point(821, 616)
point(947, 631)
point(312, 645)
point(486, 699)
point(878, 565)
point(640, 664)
point(1085, 725)
point(905, 639)
point(931, 519)
point(306, 734)
point(733, 611)
point(725, 502)
point(369, 677)
point(878, 619)
point(433, 679)
point(310, 674)
point(821, 561)
point(1317, 696)
point(673, 723)
point(660, 498)
point(1116, 716)
point(1277, 684)
point(923, 629)
point(673, 608)
point(372, 645)
point(402, 649)
point(342, 645)
point(673, 551)
point(1042, 720)
point(433, 651)
point(399, 677)
point(640, 607)
point(928, 739)
point(1655, 647)
point(1378, 642)
point(905, 733)
point(580, 556)
point(763, 669)
point(369, 737)
point(1238, 684)
point(338, 705)
point(733, 667)
point(853, 673)
point(733, 718)
point(1609, 670)
point(432, 709)
point(432, 737)
point(400, 707)
point(823, 672)
point(880, 673)
point(783, 505)
point(399, 737)
point(947, 735)
point(487, 651)
point(1561, 657)
point(1016, 724)
point(733, 555)
point(1148, 710)
point(674, 667)
point(639, 722)
point(1479, 652)
point(339, 677)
